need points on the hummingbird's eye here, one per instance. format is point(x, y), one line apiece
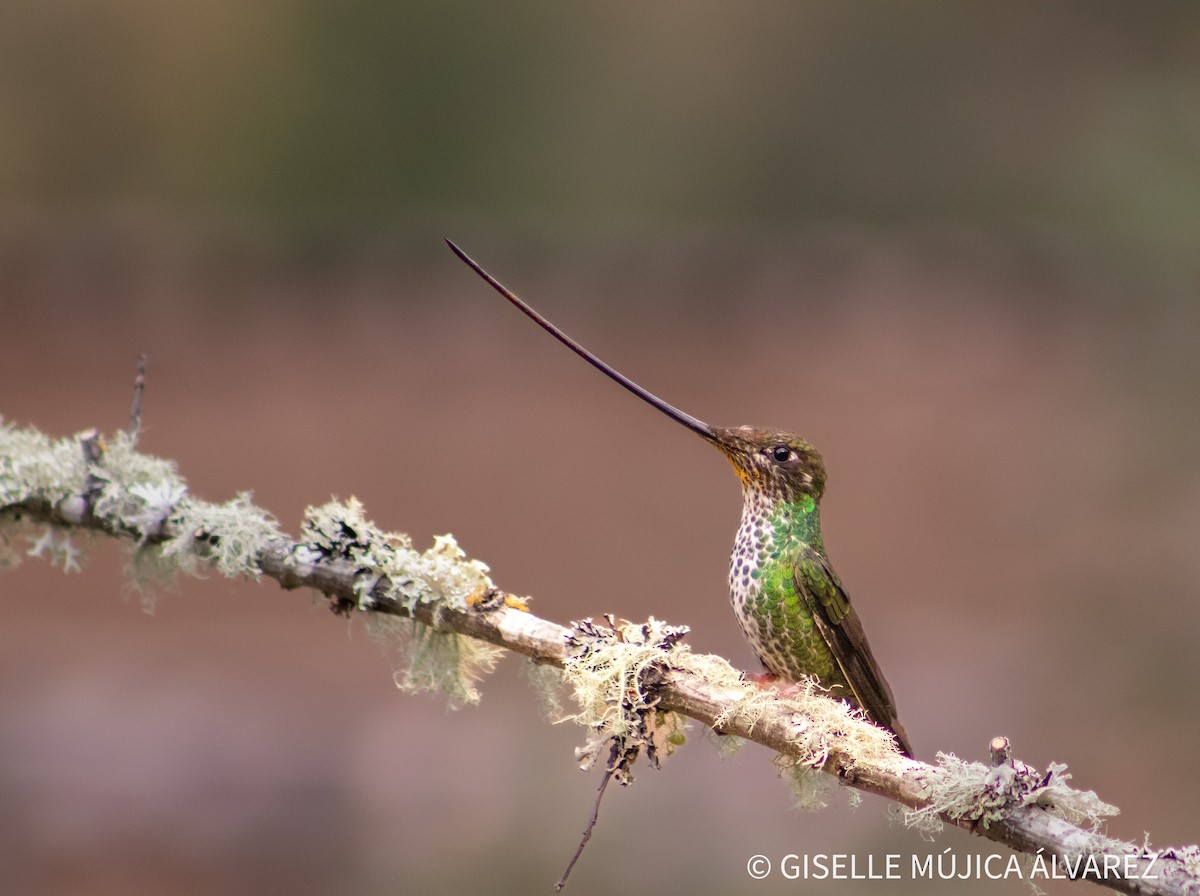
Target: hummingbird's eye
point(781, 453)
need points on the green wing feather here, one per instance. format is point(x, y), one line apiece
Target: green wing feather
point(843, 632)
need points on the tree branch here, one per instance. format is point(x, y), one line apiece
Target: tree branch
point(82, 484)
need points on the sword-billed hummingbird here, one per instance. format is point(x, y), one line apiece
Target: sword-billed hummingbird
point(788, 600)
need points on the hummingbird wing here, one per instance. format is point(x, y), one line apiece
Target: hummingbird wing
point(839, 625)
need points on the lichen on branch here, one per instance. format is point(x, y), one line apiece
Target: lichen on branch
point(615, 670)
point(93, 484)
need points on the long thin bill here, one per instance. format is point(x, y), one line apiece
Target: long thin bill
point(696, 426)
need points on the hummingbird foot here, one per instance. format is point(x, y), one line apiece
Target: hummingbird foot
point(782, 687)
point(792, 689)
point(763, 680)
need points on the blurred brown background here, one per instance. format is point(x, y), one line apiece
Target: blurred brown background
point(954, 245)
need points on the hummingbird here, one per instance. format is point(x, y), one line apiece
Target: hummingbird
point(789, 602)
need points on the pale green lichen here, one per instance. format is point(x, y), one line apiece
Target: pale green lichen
point(340, 530)
point(817, 722)
point(146, 495)
point(34, 467)
point(1188, 857)
point(227, 536)
point(434, 661)
point(444, 574)
point(441, 576)
point(612, 670)
point(546, 681)
point(138, 491)
point(981, 794)
point(174, 532)
point(57, 547)
point(9, 557)
point(726, 745)
point(809, 786)
point(129, 492)
point(387, 566)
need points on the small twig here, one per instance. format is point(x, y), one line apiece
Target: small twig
point(587, 831)
point(135, 412)
point(91, 445)
point(999, 750)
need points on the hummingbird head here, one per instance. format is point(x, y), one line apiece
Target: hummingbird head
point(779, 464)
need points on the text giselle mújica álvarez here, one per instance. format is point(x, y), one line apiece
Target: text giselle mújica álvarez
point(949, 865)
